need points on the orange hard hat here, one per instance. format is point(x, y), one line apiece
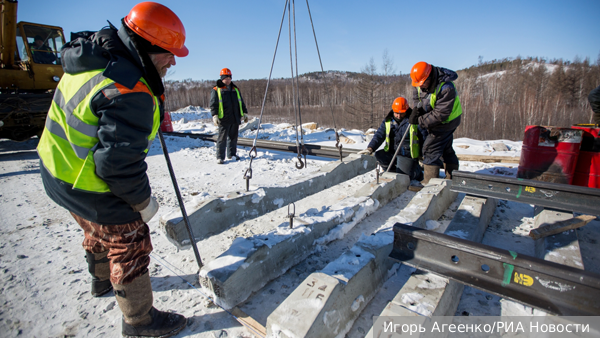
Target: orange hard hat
point(225, 71)
point(400, 105)
point(419, 73)
point(159, 25)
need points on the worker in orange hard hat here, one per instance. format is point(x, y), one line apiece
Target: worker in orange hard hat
point(390, 133)
point(107, 109)
point(228, 111)
point(436, 107)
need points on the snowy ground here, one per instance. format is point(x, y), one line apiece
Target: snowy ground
point(45, 283)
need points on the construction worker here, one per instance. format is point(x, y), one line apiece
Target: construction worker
point(106, 112)
point(391, 131)
point(41, 52)
point(228, 110)
point(436, 107)
point(594, 98)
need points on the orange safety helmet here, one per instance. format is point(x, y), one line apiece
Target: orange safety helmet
point(225, 71)
point(159, 25)
point(419, 73)
point(400, 105)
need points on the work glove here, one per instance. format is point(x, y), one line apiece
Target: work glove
point(216, 120)
point(414, 117)
point(245, 118)
point(367, 151)
point(147, 209)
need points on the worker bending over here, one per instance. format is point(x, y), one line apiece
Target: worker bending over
point(436, 108)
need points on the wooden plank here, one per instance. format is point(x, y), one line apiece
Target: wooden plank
point(488, 159)
point(558, 227)
point(252, 325)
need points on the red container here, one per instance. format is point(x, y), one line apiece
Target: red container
point(587, 171)
point(549, 154)
point(166, 125)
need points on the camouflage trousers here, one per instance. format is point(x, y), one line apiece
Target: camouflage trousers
point(128, 246)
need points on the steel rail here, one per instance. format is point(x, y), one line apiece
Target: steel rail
point(312, 149)
point(548, 286)
point(553, 195)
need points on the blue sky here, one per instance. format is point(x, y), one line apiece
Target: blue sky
point(241, 35)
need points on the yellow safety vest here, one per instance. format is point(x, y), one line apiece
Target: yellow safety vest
point(221, 102)
point(414, 139)
point(70, 138)
point(456, 109)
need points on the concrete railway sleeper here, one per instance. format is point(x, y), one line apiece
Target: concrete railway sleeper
point(330, 301)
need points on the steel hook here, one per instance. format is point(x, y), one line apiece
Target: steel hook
point(299, 164)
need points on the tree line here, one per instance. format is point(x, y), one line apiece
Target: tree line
point(499, 97)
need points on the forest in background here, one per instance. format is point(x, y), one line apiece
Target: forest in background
point(499, 97)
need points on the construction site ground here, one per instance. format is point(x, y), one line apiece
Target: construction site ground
point(45, 283)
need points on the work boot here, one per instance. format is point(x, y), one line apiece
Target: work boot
point(235, 157)
point(449, 169)
point(99, 268)
point(431, 171)
point(220, 161)
point(140, 318)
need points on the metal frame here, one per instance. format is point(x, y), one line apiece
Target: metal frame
point(548, 286)
point(553, 195)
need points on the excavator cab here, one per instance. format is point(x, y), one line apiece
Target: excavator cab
point(30, 69)
point(40, 44)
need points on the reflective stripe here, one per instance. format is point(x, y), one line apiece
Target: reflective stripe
point(150, 143)
point(69, 107)
point(59, 99)
point(58, 130)
point(388, 127)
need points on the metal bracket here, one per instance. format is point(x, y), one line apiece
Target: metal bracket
point(553, 195)
point(548, 286)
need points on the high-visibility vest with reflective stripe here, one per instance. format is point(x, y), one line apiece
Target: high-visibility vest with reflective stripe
point(67, 145)
point(456, 109)
point(221, 102)
point(414, 139)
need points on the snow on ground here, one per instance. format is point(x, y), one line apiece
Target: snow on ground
point(45, 283)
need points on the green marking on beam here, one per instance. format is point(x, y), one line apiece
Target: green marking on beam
point(513, 254)
point(508, 271)
point(519, 193)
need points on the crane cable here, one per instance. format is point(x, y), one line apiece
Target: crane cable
point(253, 153)
point(337, 136)
point(295, 87)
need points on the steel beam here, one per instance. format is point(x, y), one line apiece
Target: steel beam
point(548, 286)
point(312, 149)
point(552, 195)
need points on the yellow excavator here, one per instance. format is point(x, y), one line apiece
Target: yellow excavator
point(30, 68)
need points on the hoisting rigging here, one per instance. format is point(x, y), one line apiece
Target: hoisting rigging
point(290, 7)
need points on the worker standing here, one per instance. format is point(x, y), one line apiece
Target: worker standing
point(594, 98)
point(228, 110)
point(105, 114)
point(436, 107)
point(391, 131)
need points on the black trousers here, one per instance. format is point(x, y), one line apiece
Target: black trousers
point(438, 146)
point(228, 137)
point(385, 157)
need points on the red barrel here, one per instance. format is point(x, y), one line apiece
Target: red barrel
point(587, 171)
point(549, 154)
point(166, 125)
